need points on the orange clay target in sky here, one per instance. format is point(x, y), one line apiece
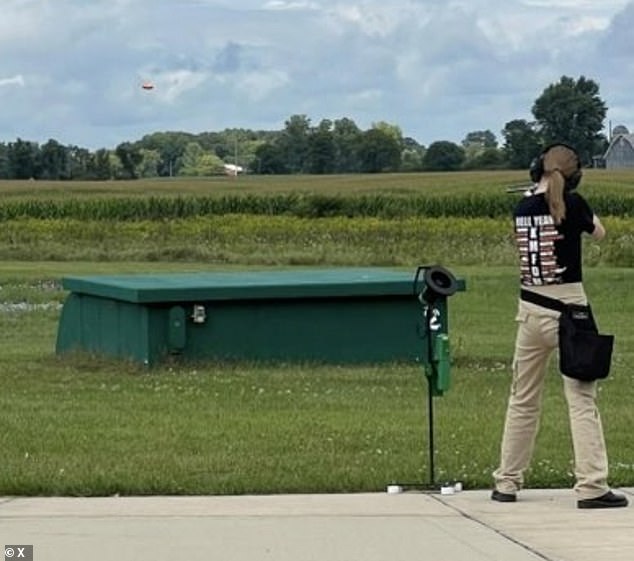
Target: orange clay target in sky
point(147, 85)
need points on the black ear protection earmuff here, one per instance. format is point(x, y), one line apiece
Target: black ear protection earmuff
point(536, 169)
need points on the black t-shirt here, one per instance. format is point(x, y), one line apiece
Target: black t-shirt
point(551, 254)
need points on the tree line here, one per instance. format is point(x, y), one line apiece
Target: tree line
point(568, 111)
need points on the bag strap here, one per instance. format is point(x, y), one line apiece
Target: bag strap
point(543, 301)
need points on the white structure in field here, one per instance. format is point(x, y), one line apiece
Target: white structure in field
point(232, 169)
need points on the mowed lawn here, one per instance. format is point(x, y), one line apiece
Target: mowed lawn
point(84, 425)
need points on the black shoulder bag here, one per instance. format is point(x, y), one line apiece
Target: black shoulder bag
point(584, 354)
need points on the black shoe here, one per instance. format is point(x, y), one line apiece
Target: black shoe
point(609, 500)
point(503, 497)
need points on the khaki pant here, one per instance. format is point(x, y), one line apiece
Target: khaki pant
point(537, 338)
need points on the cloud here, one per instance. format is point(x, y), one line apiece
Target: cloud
point(283, 5)
point(17, 80)
point(234, 57)
point(172, 85)
point(371, 19)
point(257, 86)
point(437, 68)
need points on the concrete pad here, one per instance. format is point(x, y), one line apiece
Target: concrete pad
point(549, 522)
point(364, 527)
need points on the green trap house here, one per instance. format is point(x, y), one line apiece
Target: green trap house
point(342, 315)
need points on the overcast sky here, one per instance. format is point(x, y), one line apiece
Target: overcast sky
point(72, 70)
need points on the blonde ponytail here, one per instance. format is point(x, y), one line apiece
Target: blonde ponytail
point(555, 195)
point(560, 162)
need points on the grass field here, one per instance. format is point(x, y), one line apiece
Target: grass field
point(83, 425)
point(289, 240)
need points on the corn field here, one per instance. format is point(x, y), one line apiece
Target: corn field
point(299, 205)
point(395, 219)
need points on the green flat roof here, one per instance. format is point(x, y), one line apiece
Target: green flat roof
point(247, 285)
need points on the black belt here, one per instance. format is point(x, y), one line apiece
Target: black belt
point(543, 301)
